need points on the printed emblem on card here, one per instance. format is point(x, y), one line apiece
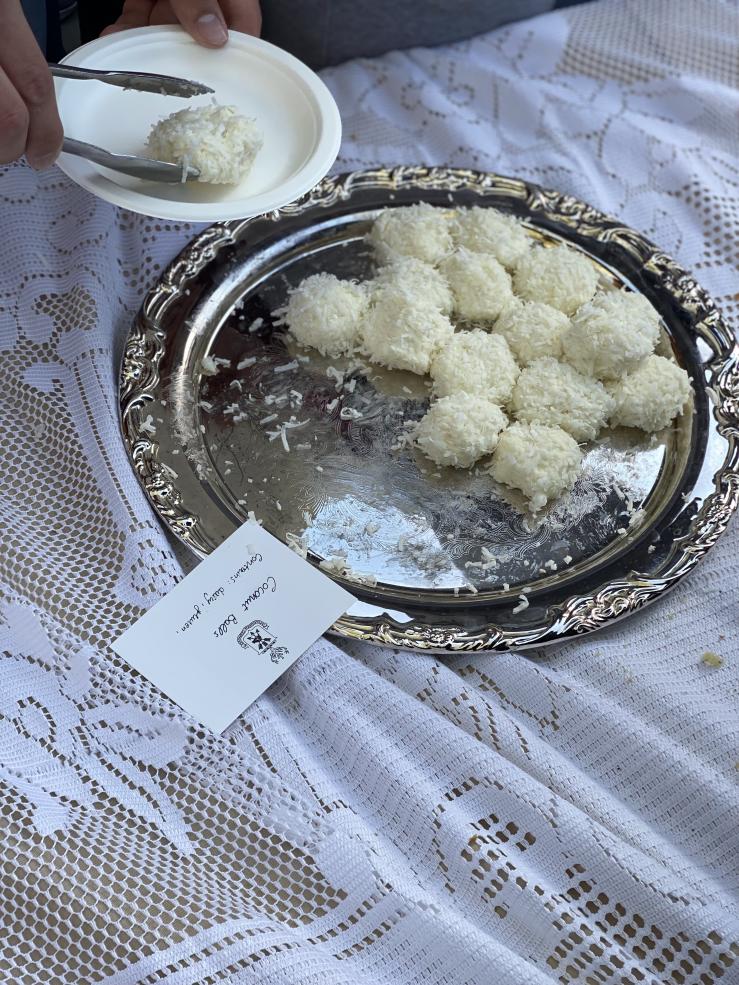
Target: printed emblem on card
point(257, 636)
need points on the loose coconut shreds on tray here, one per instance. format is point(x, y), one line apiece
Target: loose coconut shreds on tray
point(211, 365)
point(338, 565)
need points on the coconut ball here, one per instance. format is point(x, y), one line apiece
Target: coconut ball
point(401, 332)
point(485, 230)
point(420, 231)
point(480, 285)
point(475, 362)
point(533, 330)
point(652, 396)
point(611, 334)
point(460, 429)
point(556, 275)
point(540, 460)
point(324, 313)
point(217, 140)
point(548, 392)
point(416, 277)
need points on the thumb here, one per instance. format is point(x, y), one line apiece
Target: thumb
point(203, 20)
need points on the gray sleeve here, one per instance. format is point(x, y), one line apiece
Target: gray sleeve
point(326, 32)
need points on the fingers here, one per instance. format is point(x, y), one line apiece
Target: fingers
point(135, 13)
point(243, 15)
point(13, 122)
point(29, 120)
point(206, 20)
point(163, 13)
point(203, 19)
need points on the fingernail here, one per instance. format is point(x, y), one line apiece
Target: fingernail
point(211, 29)
point(43, 163)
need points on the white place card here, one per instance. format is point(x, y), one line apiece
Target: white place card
point(232, 626)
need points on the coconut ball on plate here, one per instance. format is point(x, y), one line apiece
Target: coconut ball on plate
point(548, 392)
point(611, 334)
point(486, 230)
point(540, 460)
point(324, 313)
point(481, 286)
point(556, 275)
point(532, 330)
point(651, 396)
point(217, 140)
point(460, 429)
point(420, 231)
point(475, 362)
point(402, 332)
point(417, 277)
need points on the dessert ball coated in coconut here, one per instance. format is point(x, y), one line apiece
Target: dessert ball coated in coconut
point(420, 231)
point(486, 230)
point(460, 429)
point(399, 332)
point(652, 396)
point(556, 275)
point(611, 334)
point(475, 362)
point(480, 285)
point(548, 392)
point(539, 460)
point(324, 313)
point(532, 330)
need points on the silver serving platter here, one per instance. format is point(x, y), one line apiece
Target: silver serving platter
point(207, 448)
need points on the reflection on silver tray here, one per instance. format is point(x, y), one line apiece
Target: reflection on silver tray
point(208, 450)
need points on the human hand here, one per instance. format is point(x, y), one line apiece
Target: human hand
point(206, 20)
point(29, 121)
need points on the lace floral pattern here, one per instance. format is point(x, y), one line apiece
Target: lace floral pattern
point(376, 817)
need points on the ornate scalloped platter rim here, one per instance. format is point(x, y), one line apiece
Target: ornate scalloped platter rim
point(196, 301)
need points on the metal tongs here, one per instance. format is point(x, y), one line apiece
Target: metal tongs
point(138, 167)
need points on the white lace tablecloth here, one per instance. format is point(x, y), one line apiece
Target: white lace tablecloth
point(377, 817)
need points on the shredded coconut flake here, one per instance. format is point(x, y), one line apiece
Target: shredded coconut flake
point(297, 543)
point(337, 565)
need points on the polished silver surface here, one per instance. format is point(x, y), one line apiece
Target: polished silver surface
point(314, 447)
point(137, 167)
point(162, 85)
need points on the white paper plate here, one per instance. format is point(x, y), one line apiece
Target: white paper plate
point(293, 108)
